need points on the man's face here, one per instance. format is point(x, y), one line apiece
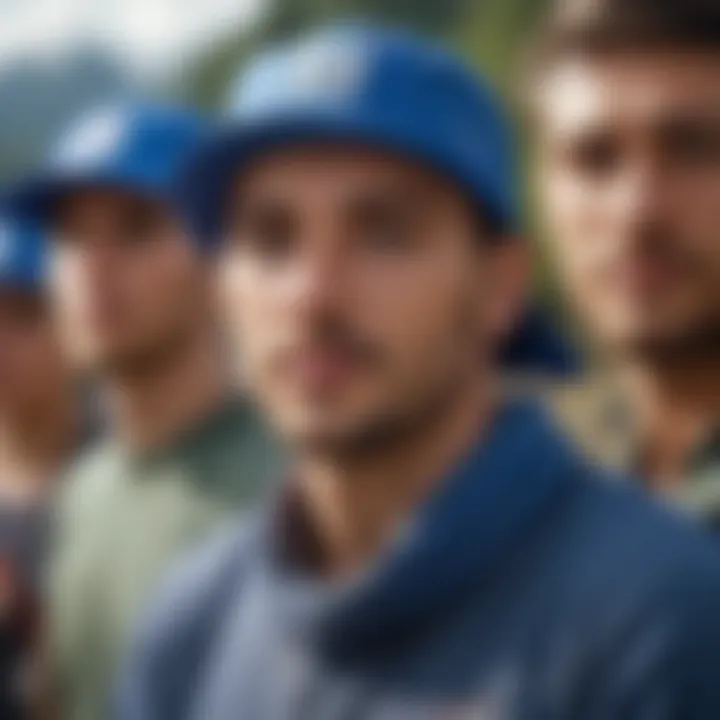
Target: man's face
point(31, 365)
point(127, 285)
point(361, 293)
point(629, 162)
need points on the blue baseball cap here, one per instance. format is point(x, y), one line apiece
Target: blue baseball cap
point(22, 255)
point(360, 84)
point(130, 147)
point(382, 89)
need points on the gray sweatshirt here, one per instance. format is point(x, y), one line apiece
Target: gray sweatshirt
point(527, 588)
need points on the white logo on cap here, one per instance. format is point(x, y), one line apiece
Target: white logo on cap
point(316, 73)
point(94, 138)
point(330, 68)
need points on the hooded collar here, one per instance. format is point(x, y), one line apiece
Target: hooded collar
point(449, 549)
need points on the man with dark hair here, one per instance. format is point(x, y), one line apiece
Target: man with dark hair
point(627, 108)
point(133, 296)
point(41, 430)
point(439, 550)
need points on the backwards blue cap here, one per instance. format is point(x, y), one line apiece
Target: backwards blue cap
point(360, 84)
point(22, 255)
point(129, 147)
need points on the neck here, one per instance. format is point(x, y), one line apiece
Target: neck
point(677, 405)
point(356, 507)
point(152, 410)
point(36, 445)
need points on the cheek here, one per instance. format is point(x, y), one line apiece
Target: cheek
point(579, 230)
point(241, 298)
point(144, 279)
point(68, 305)
point(231, 292)
point(162, 289)
point(692, 212)
point(67, 285)
point(250, 311)
point(30, 354)
point(41, 355)
point(416, 306)
point(573, 210)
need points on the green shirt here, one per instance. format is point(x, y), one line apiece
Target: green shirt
point(596, 414)
point(121, 522)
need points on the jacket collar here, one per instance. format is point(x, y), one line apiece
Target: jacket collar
point(450, 548)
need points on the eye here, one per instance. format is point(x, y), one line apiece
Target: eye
point(136, 233)
point(385, 228)
point(696, 143)
point(268, 232)
point(595, 156)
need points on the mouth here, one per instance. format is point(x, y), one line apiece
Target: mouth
point(322, 370)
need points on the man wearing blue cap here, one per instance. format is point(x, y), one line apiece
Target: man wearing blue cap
point(132, 293)
point(439, 551)
point(41, 429)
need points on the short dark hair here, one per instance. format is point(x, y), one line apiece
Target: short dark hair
point(597, 26)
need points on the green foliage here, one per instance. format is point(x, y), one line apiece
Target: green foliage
point(430, 16)
point(285, 18)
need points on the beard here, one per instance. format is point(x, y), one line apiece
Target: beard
point(146, 359)
point(387, 429)
point(700, 341)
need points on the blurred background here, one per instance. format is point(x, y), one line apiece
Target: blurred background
point(58, 57)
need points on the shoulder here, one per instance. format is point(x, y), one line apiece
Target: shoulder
point(656, 633)
point(648, 563)
point(194, 594)
point(88, 482)
point(182, 622)
point(240, 443)
point(614, 518)
point(200, 583)
point(593, 412)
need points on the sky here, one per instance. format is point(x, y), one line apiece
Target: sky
point(148, 37)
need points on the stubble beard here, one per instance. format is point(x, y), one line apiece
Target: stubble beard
point(699, 343)
point(148, 360)
point(396, 427)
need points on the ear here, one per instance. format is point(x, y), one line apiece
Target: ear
point(510, 277)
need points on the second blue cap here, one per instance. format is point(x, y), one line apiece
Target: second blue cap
point(132, 147)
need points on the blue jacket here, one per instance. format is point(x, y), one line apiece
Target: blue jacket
point(528, 588)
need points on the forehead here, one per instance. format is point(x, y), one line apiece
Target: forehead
point(336, 169)
point(640, 89)
point(97, 203)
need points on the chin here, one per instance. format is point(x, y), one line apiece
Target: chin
point(340, 440)
point(330, 437)
point(320, 438)
point(117, 361)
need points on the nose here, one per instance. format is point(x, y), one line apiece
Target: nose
point(321, 278)
point(641, 196)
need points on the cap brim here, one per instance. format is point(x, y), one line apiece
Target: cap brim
point(202, 188)
point(35, 199)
